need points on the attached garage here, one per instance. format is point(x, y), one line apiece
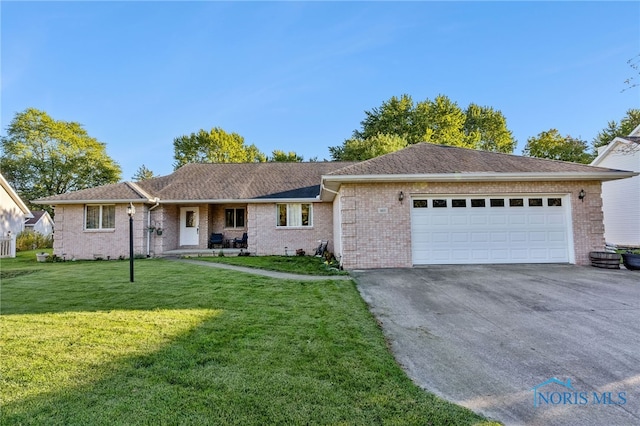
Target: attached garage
point(471, 229)
point(433, 204)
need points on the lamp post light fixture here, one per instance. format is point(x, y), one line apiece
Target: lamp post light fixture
point(131, 210)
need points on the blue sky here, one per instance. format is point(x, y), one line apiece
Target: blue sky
point(298, 76)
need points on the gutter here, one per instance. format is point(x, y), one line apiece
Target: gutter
point(157, 203)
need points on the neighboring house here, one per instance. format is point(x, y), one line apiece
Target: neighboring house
point(426, 204)
point(621, 199)
point(13, 213)
point(41, 222)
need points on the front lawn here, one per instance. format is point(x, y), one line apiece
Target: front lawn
point(193, 345)
point(307, 265)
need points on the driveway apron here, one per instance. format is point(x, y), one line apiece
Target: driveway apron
point(522, 344)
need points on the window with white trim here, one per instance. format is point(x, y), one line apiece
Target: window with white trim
point(234, 218)
point(100, 216)
point(294, 214)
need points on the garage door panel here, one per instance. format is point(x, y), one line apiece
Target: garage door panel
point(498, 219)
point(517, 237)
point(459, 220)
point(478, 220)
point(519, 219)
point(498, 232)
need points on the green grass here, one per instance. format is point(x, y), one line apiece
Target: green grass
point(306, 265)
point(193, 345)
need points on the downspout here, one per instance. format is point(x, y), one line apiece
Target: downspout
point(157, 203)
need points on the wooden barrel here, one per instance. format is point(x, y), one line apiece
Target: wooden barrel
point(603, 259)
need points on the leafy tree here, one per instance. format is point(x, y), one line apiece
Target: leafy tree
point(615, 129)
point(42, 156)
point(439, 121)
point(487, 129)
point(552, 145)
point(364, 149)
point(214, 146)
point(395, 116)
point(142, 174)
point(285, 157)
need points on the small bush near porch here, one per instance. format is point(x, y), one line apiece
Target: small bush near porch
point(194, 345)
point(306, 265)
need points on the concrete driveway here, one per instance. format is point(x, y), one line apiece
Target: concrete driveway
point(492, 338)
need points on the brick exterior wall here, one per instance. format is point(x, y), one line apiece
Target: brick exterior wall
point(265, 238)
point(376, 227)
point(73, 241)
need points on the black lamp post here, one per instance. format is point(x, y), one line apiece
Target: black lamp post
point(131, 211)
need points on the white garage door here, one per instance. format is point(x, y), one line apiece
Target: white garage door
point(490, 229)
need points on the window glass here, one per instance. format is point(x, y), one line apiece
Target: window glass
point(239, 218)
point(93, 217)
point(420, 204)
point(229, 218)
point(109, 217)
point(294, 214)
point(516, 202)
point(306, 214)
point(282, 215)
point(554, 202)
point(478, 202)
point(100, 217)
point(191, 219)
point(497, 202)
point(535, 202)
point(459, 203)
point(439, 203)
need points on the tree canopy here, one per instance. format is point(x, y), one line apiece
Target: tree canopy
point(143, 173)
point(552, 145)
point(285, 157)
point(42, 156)
point(439, 121)
point(615, 129)
point(214, 146)
point(363, 149)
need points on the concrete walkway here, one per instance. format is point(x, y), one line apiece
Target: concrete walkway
point(263, 272)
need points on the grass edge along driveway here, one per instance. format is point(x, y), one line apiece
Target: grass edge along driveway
point(192, 345)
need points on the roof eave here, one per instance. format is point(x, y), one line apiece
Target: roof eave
point(94, 201)
point(243, 201)
point(479, 177)
point(611, 146)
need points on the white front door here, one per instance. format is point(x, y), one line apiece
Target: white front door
point(189, 226)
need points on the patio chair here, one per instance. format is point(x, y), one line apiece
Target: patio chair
point(322, 248)
point(241, 242)
point(216, 239)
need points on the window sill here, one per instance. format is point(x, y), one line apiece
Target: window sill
point(294, 227)
point(100, 231)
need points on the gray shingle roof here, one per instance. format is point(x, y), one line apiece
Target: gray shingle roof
point(219, 181)
point(262, 181)
point(427, 158)
point(115, 192)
